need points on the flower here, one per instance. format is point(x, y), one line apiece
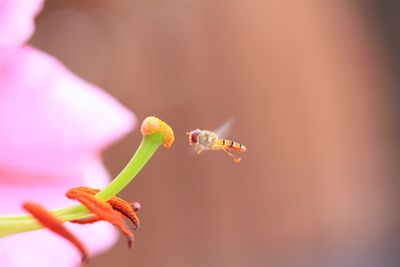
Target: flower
point(101, 205)
point(53, 126)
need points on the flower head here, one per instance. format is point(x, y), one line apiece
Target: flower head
point(98, 205)
point(53, 126)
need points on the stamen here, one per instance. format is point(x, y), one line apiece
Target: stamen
point(125, 209)
point(118, 204)
point(46, 219)
point(103, 210)
point(87, 220)
point(152, 124)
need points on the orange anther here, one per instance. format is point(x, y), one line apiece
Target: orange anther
point(47, 219)
point(112, 211)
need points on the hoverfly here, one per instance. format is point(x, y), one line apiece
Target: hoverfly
point(204, 140)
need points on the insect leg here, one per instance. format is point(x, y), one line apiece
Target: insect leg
point(198, 149)
point(235, 159)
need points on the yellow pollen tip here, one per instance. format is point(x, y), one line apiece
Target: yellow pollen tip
point(152, 124)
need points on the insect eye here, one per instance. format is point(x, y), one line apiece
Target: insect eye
point(194, 136)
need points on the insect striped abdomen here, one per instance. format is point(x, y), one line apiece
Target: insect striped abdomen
point(229, 144)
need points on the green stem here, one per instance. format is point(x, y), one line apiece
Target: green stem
point(10, 224)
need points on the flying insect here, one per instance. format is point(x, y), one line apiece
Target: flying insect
point(203, 140)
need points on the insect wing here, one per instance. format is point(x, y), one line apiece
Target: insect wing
point(224, 130)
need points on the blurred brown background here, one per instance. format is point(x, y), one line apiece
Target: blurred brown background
point(311, 87)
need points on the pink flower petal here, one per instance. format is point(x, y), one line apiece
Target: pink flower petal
point(50, 118)
point(17, 20)
point(44, 248)
point(90, 172)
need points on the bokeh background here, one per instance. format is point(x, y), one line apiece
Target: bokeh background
point(313, 88)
